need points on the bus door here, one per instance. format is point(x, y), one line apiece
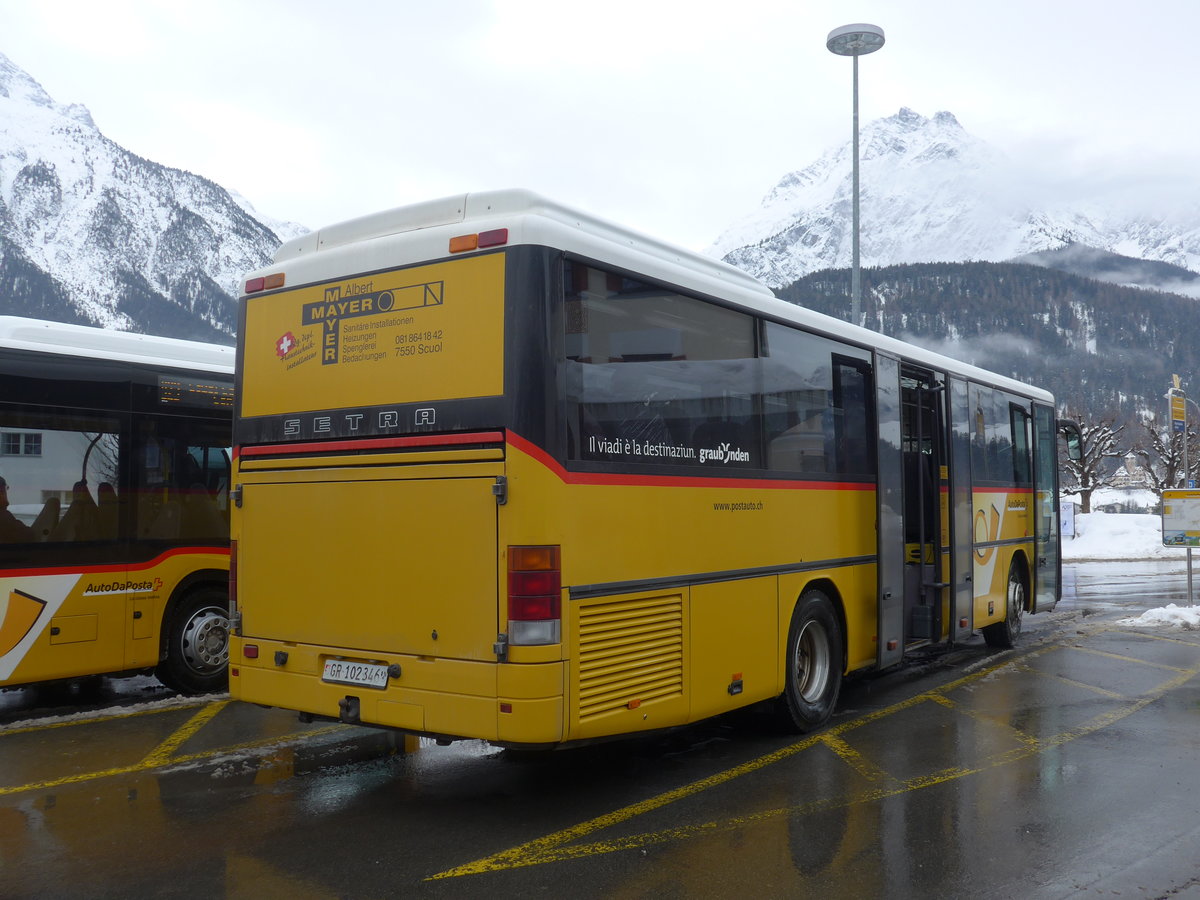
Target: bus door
point(926, 515)
point(962, 596)
point(1048, 566)
point(890, 523)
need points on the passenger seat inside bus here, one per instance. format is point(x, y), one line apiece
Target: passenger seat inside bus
point(81, 521)
point(46, 520)
point(201, 517)
point(107, 515)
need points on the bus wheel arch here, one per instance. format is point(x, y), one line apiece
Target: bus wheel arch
point(814, 659)
point(194, 654)
point(1003, 634)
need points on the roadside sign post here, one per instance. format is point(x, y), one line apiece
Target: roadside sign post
point(1181, 525)
point(1178, 402)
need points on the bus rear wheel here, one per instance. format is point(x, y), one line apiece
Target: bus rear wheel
point(814, 664)
point(1003, 635)
point(197, 656)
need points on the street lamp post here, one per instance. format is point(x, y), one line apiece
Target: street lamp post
point(855, 41)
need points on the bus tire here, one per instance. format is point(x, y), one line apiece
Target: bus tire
point(197, 655)
point(813, 675)
point(1003, 635)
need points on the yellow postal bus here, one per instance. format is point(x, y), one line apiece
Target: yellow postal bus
point(114, 523)
point(507, 471)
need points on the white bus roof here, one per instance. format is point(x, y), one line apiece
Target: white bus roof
point(421, 232)
point(99, 343)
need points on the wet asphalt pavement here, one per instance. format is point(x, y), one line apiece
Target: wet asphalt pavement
point(1069, 767)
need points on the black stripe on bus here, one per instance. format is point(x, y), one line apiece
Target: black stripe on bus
point(587, 591)
point(374, 444)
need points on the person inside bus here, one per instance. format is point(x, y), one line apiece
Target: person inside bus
point(12, 529)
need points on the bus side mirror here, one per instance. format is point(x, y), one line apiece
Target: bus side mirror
point(1070, 430)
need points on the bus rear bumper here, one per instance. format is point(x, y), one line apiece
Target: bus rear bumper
point(500, 702)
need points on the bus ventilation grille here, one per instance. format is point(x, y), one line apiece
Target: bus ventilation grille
point(630, 651)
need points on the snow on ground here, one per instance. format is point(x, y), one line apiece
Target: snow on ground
point(1102, 537)
point(1185, 617)
point(1117, 536)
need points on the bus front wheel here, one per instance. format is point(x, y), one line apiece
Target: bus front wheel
point(197, 655)
point(814, 664)
point(1004, 634)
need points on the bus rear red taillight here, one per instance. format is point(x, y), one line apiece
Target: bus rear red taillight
point(534, 595)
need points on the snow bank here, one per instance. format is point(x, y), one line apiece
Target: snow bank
point(1131, 538)
point(1184, 617)
point(1115, 536)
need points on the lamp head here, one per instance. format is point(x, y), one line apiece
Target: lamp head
point(855, 40)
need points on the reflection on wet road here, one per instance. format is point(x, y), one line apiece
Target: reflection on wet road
point(1064, 768)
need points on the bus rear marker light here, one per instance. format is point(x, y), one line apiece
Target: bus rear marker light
point(265, 283)
point(494, 238)
point(250, 651)
point(497, 237)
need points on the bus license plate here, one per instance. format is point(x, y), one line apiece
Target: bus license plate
point(343, 671)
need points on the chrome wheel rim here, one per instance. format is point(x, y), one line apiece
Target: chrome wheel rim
point(204, 641)
point(811, 662)
point(1016, 605)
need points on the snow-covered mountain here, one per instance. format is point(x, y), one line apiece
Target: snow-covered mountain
point(92, 233)
point(931, 192)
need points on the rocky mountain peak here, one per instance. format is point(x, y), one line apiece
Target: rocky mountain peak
point(92, 233)
point(933, 192)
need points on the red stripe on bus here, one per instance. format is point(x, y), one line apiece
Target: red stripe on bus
point(119, 567)
point(532, 450)
point(390, 443)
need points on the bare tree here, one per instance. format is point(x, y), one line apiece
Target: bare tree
point(1161, 452)
point(1093, 470)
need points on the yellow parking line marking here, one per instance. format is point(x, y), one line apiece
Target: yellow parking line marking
point(854, 759)
point(1071, 681)
point(1095, 689)
point(553, 847)
point(1152, 665)
point(162, 753)
point(543, 844)
point(1156, 637)
point(145, 766)
point(993, 721)
point(112, 717)
point(537, 849)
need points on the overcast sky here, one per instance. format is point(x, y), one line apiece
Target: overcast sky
point(668, 116)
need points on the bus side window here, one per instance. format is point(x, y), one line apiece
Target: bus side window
point(183, 473)
point(816, 405)
point(1022, 462)
point(51, 468)
point(656, 377)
